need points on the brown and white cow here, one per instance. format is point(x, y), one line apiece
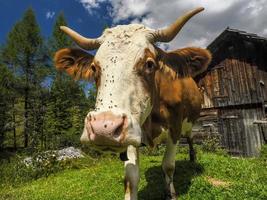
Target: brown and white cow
point(141, 91)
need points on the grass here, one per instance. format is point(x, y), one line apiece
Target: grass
point(212, 177)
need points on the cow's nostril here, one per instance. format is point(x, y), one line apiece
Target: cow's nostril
point(89, 117)
point(118, 131)
point(105, 126)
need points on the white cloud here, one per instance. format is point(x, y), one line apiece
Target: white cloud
point(254, 8)
point(214, 6)
point(246, 15)
point(50, 14)
point(89, 5)
point(264, 32)
point(122, 9)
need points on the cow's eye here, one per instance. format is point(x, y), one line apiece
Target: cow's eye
point(93, 67)
point(150, 64)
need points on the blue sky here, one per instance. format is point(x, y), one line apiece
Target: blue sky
point(88, 17)
point(46, 10)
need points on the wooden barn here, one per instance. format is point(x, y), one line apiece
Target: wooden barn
point(235, 92)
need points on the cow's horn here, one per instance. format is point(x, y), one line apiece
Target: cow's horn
point(85, 43)
point(167, 34)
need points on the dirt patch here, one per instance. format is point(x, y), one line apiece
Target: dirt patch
point(217, 182)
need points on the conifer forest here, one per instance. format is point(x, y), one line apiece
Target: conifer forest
point(40, 108)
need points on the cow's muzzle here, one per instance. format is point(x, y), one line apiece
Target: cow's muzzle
point(106, 128)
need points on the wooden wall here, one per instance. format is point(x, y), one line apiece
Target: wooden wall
point(240, 135)
point(234, 82)
point(237, 91)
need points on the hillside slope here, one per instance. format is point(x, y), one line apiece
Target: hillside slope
point(213, 177)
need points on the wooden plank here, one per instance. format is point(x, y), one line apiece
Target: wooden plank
point(260, 122)
point(234, 82)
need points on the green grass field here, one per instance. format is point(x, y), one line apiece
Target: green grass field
point(213, 177)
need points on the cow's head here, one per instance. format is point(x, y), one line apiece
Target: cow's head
point(124, 69)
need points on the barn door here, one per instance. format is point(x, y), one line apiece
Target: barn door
point(231, 128)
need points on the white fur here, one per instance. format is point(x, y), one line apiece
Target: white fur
point(121, 90)
point(168, 164)
point(132, 175)
point(84, 138)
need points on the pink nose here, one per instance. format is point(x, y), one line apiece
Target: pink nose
point(106, 127)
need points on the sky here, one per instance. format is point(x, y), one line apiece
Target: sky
point(89, 17)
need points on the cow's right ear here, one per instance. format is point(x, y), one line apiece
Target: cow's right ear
point(75, 62)
point(189, 61)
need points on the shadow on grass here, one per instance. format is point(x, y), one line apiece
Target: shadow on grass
point(184, 172)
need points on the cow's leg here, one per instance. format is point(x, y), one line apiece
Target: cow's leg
point(131, 173)
point(168, 166)
point(192, 153)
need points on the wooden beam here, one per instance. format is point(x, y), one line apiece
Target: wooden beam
point(260, 122)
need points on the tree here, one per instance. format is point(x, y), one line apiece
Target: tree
point(65, 107)
point(59, 39)
point(47, 117)
point(6, 104)
point(24, 52)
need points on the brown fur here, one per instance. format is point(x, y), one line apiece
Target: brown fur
point(167, 77)
point(75, 62)
point(177, 95)
point(188, 61)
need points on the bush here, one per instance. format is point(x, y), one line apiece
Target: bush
point(212, 144)
point(14, 172)
point(41, 164)
point(44, 164)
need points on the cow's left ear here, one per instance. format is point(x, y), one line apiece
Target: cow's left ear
point(189, 61)
point(76, 63)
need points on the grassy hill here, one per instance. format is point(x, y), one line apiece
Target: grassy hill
point(212, 177)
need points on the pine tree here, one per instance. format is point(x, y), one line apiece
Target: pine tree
point(59, 39)
point(24, 53)
point(65, 109)
point(6, 104)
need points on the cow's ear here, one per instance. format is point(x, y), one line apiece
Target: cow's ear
point(189, 61)
point(75, 62)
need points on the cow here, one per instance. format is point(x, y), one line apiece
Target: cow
point(142, 91)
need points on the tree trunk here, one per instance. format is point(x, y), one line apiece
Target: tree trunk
point(14, 126)
point(26, 119)
point(26, 104)
point(1, 139)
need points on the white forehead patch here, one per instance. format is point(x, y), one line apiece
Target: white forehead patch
point(121, 89)
point(124, 32)
point(123, 39)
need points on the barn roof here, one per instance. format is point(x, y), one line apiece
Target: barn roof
point(237, 43)
point(229, 34)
